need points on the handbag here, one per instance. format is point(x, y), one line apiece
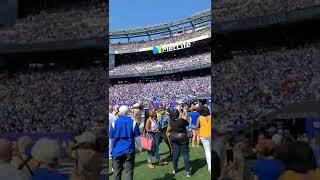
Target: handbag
point(146, 143)
point(180, 138)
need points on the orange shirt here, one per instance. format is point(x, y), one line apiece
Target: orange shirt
point(205, 126)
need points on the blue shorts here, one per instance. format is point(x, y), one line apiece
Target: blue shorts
point(194, 127)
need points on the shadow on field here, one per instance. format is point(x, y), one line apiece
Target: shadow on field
point(197, 164)
point(166, 176)
point(164, 153)
point(137, 164)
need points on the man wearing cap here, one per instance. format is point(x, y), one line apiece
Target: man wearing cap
point(7, 171)
point(46, 153)
point(123, 132)
point(180, 106)
point(88, 159)
point(136, 113)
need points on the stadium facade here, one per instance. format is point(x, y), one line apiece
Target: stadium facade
point(160, 44)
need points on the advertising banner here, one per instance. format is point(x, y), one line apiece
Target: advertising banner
point(171, 47)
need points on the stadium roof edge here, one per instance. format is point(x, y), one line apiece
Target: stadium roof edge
point(195, 19)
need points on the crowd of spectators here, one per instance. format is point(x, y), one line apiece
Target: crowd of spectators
point(52, 101)
point(30, 159)
point(266, 152)
point(248, 87)
point(165, 91)
point(226, 10)
point(162, 65)
point(76, 23)
point(134, 46)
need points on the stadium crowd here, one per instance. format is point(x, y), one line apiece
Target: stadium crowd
point(52, 101)
point(134, 46)
point(165, 91)
point(29, 159)
point(225, 10)
point(77, 23)
point(159, 65)
point(246, 89)
point(274, 152)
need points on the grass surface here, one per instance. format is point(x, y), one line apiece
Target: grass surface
point(142, 172)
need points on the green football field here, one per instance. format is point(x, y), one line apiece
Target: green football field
point(197, 160)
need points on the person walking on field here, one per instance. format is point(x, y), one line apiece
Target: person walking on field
point(204, 126)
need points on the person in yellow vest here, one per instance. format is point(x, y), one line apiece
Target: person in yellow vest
point(300, 163)
point(204, 126)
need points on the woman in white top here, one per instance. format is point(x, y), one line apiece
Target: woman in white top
point(152, 131)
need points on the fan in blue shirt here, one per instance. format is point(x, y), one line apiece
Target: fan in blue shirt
point(194, 118)
point(123, 132)
point(268, 168)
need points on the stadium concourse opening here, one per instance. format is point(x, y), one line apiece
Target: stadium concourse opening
point(155, 80)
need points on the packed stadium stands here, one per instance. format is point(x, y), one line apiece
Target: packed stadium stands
point(52, 101)
point(226, 10)
point(162, 65)
point(78, 23)
point(248, 87)
point(165, 91)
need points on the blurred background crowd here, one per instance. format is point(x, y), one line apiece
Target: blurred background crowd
point(59, 100)
point(158, 65)
point(79, 22)
point(250, 86)
point(226, 10)
point(165, 91)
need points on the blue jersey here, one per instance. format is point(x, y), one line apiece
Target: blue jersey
point(122, 132)
point(194, 117)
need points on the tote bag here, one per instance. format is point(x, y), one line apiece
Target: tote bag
point(146, 143)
